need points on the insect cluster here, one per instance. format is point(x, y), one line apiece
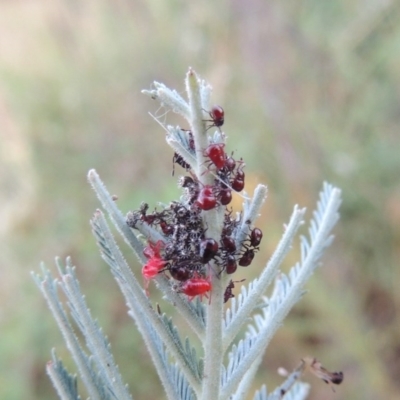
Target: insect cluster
point(184, 253)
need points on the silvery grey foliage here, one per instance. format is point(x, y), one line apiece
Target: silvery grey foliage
point(190, 376)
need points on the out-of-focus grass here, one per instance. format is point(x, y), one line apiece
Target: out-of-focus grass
point(311, 92)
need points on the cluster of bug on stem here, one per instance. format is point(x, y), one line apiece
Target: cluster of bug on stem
point(184, 253)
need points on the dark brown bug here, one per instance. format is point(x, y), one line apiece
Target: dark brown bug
point(228, 244)
point(238, 180)
point(246, 258)
point(180, 272)
point(228, 291)
point(178, 159)
point(230, 164)
point(255, 237)
point(208, 250)
point(167, 229)
point(230, 264)
point(224, 196)
point(217, 115)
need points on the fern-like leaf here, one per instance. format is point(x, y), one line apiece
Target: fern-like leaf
point(252, 300)
point(65, 383)
point(96, 342)
point(93, 384)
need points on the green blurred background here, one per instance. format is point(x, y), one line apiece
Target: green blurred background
point(311, 92)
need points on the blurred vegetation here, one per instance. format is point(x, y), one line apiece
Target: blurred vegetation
point(311, 92)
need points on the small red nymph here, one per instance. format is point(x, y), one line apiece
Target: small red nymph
point(196, 286)
point(153, 249)
point(152, 268)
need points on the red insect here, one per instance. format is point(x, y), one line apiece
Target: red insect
point(196, 286)
point(150, 270)
point(152, 267)
point(153, 249)
point(217, 115)
point(216, 154)
point(206, 199)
